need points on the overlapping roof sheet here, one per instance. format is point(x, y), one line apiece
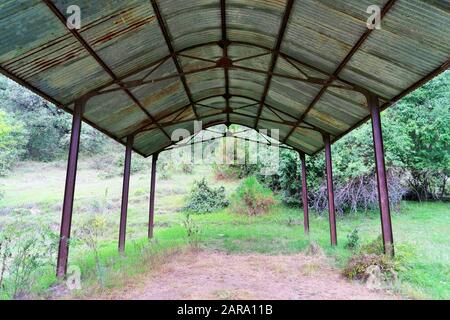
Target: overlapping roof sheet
point(154, 66)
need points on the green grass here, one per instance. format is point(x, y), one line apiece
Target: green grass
point(34, 192)
point(421, 230)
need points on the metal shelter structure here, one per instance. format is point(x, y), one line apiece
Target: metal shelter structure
point(137, 70)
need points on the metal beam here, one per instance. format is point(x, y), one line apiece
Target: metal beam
point(69, 191)
point(138, 83)
point(225, 61)
point(125, 193)
point(383, 197)
point(151, 216)
point(304, 193)
point(340, 67)
point(189, 143)
point(245, 43)
point(275, 54)
point(173, 54)
point(94, 55)
point(330, 189)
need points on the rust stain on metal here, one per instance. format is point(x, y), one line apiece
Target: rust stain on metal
point(165, 92)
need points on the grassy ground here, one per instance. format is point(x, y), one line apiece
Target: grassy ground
point(34, 193)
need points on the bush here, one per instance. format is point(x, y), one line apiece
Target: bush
point(204, 199)
point(358, 266)
point(252, 198)
point(12, 142)
point(352, 240)
point(372, 265)
point(25, 252)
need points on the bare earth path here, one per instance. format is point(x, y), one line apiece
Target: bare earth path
point(212, 275)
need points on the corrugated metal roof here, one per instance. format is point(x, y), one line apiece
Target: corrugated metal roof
point(153, 66)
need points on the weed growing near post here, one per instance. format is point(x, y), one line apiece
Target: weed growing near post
point(90, 234)
point(192, 230)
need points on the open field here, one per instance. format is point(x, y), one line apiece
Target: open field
point(33, 194)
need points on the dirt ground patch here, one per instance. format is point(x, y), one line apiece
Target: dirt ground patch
point(213, 275)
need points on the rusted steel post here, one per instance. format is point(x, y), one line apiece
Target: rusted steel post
point(152, 196)
point(125, 191)
point(383, 197)
point(304, 194)
point(329, 171)
point(66, 219)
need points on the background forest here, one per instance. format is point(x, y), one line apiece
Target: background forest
point(224, 208)
point(416, 139)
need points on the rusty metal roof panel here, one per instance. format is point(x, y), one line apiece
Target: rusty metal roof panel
point(413, 40)
point(289, 63)
point(205, 84)
point(115, 112)
point(292, 96)
point(27, 26)
point(200, 57)
point(161, 97)
point(248, 122)
point(321, 33)
point(247, 83)
point(159, 140)
point(305, 139)
point(36, 48)
point(191, 22)
point(125, 34)
point(254, 21)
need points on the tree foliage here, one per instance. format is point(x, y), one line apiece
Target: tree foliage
point(47, 127)
point(12, 142)
point(416, 135)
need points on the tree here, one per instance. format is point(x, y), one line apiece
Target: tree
point(12, 142)
point(48, 127)
point(422, 121)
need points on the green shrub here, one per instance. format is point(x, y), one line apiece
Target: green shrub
point(12, 142)
point(204, 199)
point(371, 254)
point(252, 198)
point(352, 239)
point(25, 253)
point(374, 247)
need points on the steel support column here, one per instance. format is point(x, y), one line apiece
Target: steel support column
point(304, 194)
point(125, 191)
point(329, 171)
point(152, 196)
point(383, 197)
point(66, 219)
